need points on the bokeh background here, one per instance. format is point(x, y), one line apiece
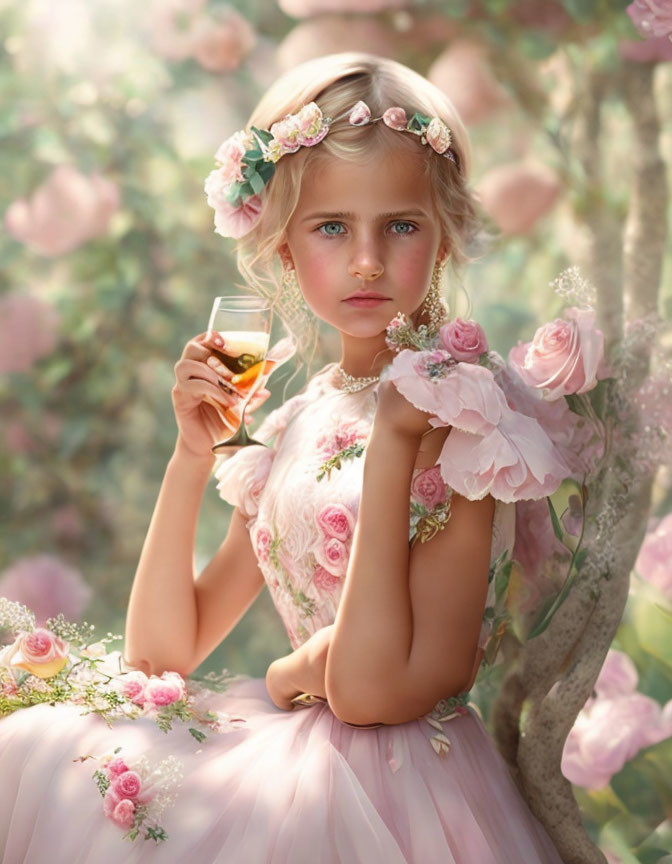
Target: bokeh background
point(110, 114)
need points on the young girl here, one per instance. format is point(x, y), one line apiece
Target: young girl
point(360, 745)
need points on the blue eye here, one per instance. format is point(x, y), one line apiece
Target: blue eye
point(408, 225)
point(329, 234)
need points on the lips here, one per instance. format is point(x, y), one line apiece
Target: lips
point(367, 295)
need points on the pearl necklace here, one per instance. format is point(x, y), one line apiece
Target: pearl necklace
point(351, 383)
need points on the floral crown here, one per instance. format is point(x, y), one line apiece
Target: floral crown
point(247, 159)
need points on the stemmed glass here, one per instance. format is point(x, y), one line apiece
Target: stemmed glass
point(244, 323)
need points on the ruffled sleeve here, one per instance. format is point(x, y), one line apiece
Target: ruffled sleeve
point(491, 448)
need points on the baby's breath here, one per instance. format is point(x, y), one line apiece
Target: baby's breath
point(573, 288)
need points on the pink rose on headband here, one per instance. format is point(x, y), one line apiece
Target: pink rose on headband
point(237, 221)
point(565, 356)
point(465, 340)
point(311, 125)
point(360, 114)
point(230, 153)
point(438, 135)
point(395, 118)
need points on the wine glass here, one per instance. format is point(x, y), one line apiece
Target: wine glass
point(244, 323)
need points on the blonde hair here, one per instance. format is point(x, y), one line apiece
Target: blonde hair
point(336, 82)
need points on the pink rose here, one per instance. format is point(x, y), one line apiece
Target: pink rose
point(165, 690)
point(263, 541)
point(127, 784)
point(132, 686)
point(618, 676)
point(654, 562)
point(219, 42)
point(360, 114)
point(39, 652)
point(230, 153)
point(428, 487)
point(325, 580)
point(438, 135)
point(337, 521)
point(124, 813)
point(651, 17)
point(116, 766)
point(465, 340)
point(565, 356)
point(67, 210)
point(395, 118)
point(332, 554)
point(311, 125)
point(110, 801)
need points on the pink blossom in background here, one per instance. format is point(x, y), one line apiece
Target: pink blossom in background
point(329, 34)
point(306, 8)
point(47, 586)
point(651, 17)
point(654, 561)
point(465, 340)
point(28, 331)
point(221, 41)
point(170, 23)
point(67, 210)
point(613, 726)
point(463, 72)
point(565, 356)
point(517, 195)
point(655, 50)
point(535, 540)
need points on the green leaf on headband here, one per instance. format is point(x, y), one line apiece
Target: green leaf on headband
point(256, 182)
point(265, 136)
point(418, 122)
point(233, 194)
point(252, 156)
point(266, 170)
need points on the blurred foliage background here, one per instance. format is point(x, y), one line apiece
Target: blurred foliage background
point(110, 115)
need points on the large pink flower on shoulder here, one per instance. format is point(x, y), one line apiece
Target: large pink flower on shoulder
point(490, 448)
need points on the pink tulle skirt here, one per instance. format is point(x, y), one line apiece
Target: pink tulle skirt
point(284, 786)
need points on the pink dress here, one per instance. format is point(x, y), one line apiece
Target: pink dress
point(290, 787)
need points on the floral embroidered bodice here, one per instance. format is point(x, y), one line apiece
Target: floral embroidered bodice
point(300, 499)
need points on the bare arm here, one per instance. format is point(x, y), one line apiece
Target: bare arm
point(161, 620)
point(407, 626)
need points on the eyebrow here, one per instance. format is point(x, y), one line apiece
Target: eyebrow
point(354, 217)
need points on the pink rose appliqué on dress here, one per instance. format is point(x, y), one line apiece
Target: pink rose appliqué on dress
point(428, 487)
point(337, 521)
point(345, 435)
point(324, 580)
point(332, 554)
point(262, 543)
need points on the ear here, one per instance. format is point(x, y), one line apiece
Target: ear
point(444, 250)
point(285, 256)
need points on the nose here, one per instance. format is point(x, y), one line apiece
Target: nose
point(365, 262)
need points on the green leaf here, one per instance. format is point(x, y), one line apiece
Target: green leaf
point(557, 527)
point(257, 183)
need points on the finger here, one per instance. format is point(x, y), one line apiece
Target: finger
point(202, 345)
point(188, 369)
point(198, 389)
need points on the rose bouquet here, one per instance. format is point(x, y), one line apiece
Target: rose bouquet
point(135, 793)
point(527, 431)
point(59, 663)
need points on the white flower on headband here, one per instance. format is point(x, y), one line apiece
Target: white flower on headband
point(247, 159)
